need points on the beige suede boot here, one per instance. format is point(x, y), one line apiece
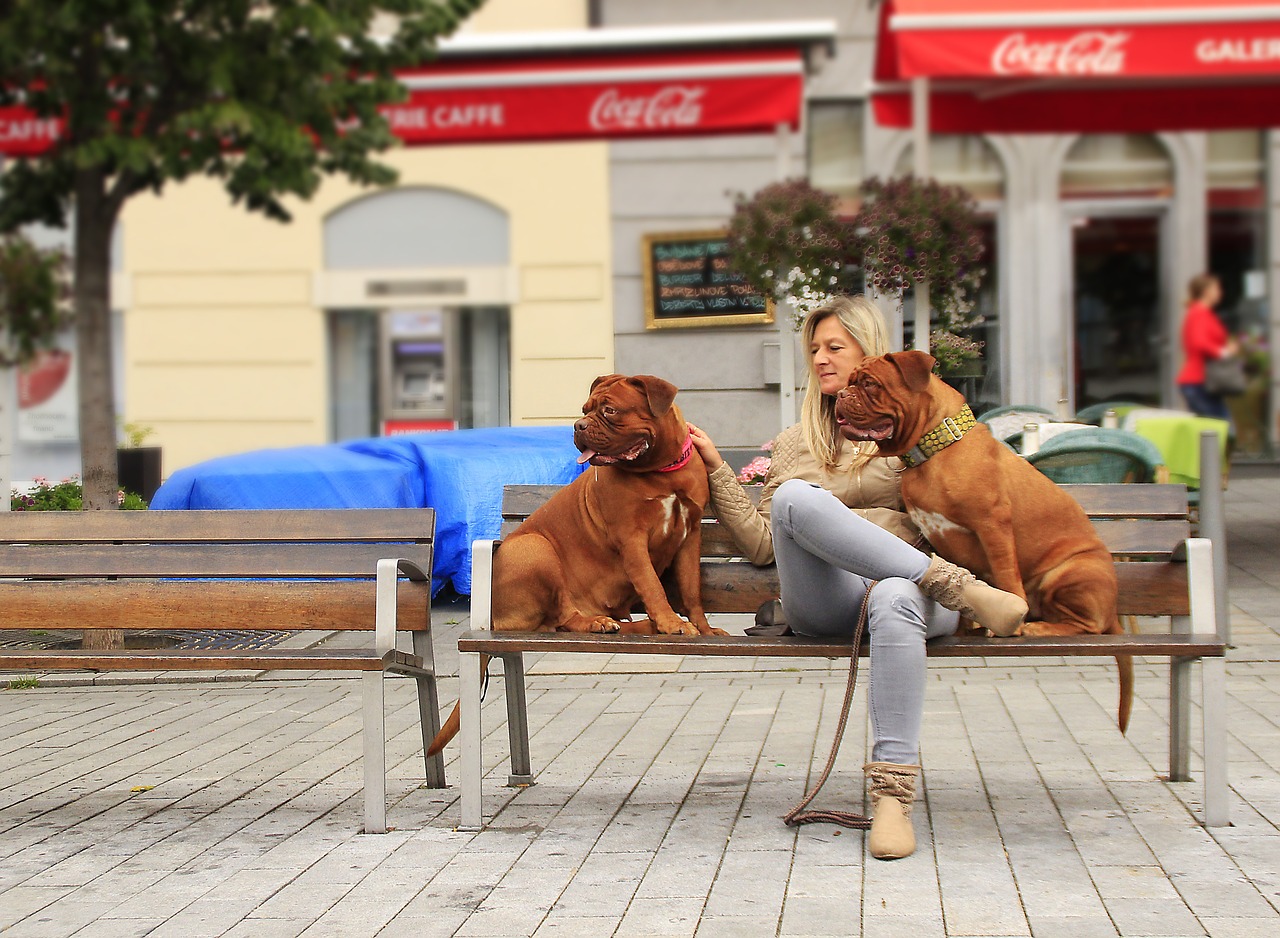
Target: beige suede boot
point(956, 588)
point(893, 789)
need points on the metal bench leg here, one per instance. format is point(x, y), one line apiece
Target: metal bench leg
point(1213, 677)
point(1180, 719)
point(375, 753)
point(429, 710)
point(517, 721)
point(469, 733)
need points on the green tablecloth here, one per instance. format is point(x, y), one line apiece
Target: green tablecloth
point(1177, 436)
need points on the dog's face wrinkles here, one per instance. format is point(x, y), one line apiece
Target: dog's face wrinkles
point(861, 411)
point(610, 427)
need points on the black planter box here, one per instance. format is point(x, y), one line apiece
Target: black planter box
point(139, 470)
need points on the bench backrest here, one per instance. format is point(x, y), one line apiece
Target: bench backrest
point(1144, 527)
point(208, 569)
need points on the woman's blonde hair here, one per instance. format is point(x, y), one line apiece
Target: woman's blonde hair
point(865, 324)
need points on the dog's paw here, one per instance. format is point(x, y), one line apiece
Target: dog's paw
point(605, 624)
point(677, 627)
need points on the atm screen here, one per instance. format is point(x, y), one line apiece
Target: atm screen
point(416, 384)
point(419, 348)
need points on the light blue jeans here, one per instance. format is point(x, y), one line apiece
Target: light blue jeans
point(827, 557)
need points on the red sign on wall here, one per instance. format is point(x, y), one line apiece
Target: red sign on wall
point(401, 427)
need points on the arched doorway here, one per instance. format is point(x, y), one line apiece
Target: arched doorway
point(416, 340)
point(1116, 192)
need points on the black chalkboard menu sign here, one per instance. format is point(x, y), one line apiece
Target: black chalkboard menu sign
point(688, 282)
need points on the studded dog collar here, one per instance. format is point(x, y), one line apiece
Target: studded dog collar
point(940, 437)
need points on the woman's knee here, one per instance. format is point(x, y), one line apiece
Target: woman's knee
point(787, 496)
point(897, 602)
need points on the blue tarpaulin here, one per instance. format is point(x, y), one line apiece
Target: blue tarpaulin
point(458, 473)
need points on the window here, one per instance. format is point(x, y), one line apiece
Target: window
point(1117, 165)
point(964, 160)
point(835, 149)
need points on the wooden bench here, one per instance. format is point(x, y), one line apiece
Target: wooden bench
point(356, 570)
point(1162, 572)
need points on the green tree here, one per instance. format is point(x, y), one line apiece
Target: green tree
point(269, 96)
point(33, 300)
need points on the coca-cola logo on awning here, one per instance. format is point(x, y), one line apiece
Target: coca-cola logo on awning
point(671, 106)
point(1088, 53)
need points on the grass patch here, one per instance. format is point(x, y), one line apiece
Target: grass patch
point(24, 683)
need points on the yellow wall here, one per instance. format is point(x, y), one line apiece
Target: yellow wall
point(520, 15)
point(225, 351)
point(225, 345)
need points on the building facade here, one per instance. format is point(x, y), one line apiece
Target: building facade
point(1091, 240)
point(493, 282)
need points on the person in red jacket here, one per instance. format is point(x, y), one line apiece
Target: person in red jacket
point(1203, 337)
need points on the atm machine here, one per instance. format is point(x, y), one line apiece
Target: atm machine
point(419, 370)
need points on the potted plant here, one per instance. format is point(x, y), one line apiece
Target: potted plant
point(138, 466)
point(67, 495)
point(915, 231)
point(788, 241)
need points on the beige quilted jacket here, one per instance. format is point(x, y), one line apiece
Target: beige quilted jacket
point(869, 487)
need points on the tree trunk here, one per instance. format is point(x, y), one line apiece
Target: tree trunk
point(94, 221)
point(92, 291)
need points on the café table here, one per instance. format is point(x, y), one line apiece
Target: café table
point(1176, 433)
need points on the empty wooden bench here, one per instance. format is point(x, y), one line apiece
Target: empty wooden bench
point(1162, 572)
point(366, 570)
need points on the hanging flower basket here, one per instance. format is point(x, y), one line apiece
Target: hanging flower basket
point(788, 242)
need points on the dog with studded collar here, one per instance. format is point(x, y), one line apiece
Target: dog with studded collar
point(981, 505)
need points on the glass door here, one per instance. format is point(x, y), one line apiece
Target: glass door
point(1119, 346)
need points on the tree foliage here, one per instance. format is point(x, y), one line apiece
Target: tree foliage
point(267, 96)
point(34, 298)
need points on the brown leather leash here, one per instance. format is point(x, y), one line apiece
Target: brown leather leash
point(798, 815)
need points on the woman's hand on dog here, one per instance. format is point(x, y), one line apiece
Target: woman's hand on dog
point(706, 449)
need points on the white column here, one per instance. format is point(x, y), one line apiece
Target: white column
point(920, 150)
point(782, 311)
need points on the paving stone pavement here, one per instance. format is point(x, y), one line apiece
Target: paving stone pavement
point(180, 807)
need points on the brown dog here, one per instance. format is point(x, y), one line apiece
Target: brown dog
point(582, 561)
point(984, 507)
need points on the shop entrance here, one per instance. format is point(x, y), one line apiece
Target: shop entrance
point(1120, 349)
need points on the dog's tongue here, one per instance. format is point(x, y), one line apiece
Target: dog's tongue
point(586, 456)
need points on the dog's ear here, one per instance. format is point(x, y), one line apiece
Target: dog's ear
point(660, 394)
point(914, 366)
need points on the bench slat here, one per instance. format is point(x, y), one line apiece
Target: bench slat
point(1099, 501)
point(1121, 500)
point(1146, 589)
point(200, 560)
point(347, 605)
point(201, 659)
point(269, 525)
point(498, 643)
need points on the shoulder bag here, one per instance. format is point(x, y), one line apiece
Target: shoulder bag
point(1224, 376)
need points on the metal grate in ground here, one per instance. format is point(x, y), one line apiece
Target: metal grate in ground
point(151, 638)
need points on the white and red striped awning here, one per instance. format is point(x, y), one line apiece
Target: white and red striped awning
point(579, 85)
point(1081, 65)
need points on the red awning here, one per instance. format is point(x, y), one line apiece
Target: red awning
point(601, 97)
point(1081, 65)
point(563, 97)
